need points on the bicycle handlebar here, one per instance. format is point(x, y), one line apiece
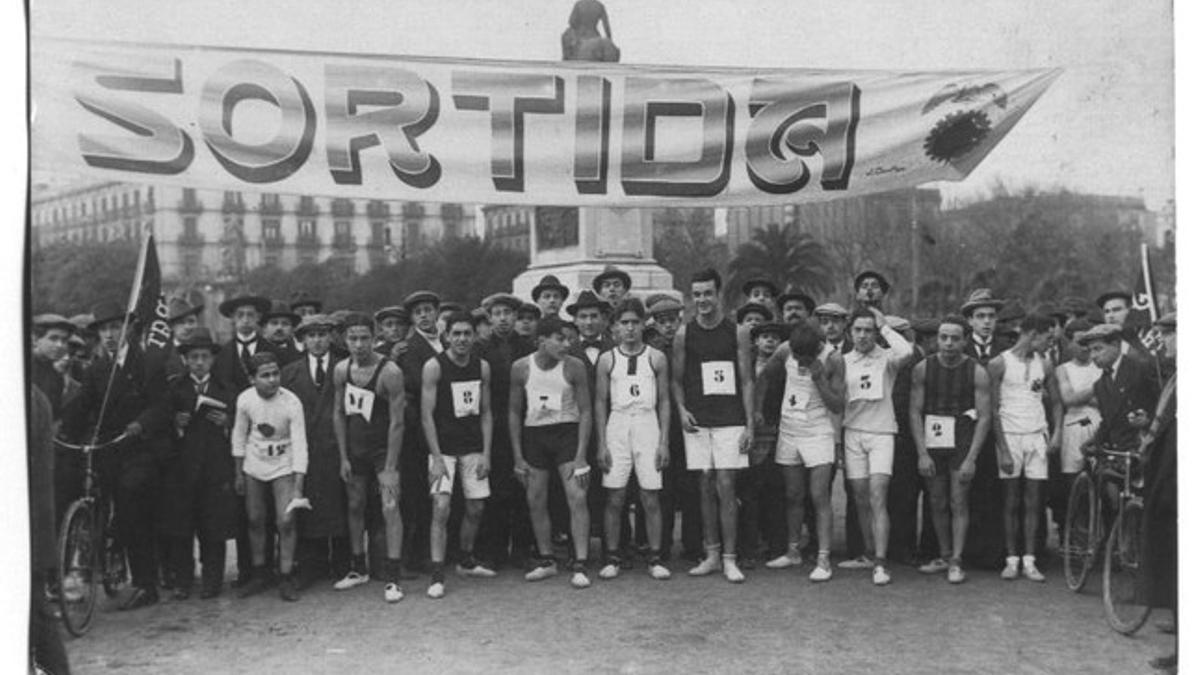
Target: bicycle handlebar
point(88, 447)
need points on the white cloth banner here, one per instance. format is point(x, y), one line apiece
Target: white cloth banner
point(499, 132)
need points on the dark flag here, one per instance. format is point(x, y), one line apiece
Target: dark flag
point(147, 301)
point(1145, 306)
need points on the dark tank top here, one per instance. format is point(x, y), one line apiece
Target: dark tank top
point(363, 436)
point(712, 388)
point(456, 415)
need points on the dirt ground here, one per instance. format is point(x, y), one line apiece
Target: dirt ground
point(776, 622)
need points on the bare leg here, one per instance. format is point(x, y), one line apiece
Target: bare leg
point(881, 523)
point(356, 507)
point(861, 487)
point(437, 528)
point(653, 518)
point(257, 493)
point(726, 480)
point(1012, 497)
point(535, 495)
point(960, 491)
point(285, 523)
point(470, 524)
point(577, 503)
point(794, 487)
point(939, 509)
point(708, 509)
point(613, 510)
point(393, 526)
point(820, 478)
point(1033, 509)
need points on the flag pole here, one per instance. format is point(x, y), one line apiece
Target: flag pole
point(1148, 280)
point(112, 369)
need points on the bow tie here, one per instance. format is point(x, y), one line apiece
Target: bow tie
point(247, 343)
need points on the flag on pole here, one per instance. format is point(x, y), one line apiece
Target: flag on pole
point(146, 300)
point(1145, 305)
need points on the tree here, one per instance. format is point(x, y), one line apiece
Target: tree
point(791, 259)
point(72, 278)
point(685, 250)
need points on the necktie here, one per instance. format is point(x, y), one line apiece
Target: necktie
point(245, 348)
point(320, 380)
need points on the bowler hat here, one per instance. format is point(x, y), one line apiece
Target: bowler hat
point(280, 308)
point(201, 339)
point(1105, 297)
point(872, 274)
point(108, 311)
point(809, 303)
point(760, 281)
point(258, 302)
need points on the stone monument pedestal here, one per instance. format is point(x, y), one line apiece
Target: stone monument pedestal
point(605, 236)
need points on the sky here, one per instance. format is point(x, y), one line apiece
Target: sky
point(1105, 127)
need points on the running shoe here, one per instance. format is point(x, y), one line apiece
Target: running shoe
point(544, 570)
point(732, 573)
point(955, 574)
point(392, 592)
point(1030, 570)
point(935, 566)
point(610, 570)
point(351, 580)
point(881, 576)
point(579, 577)
point(789, 559)
point(707, 566)
point(823, 571)
point(862, 562)
point(436, 590)
point(473, 568)
point(1010, 568)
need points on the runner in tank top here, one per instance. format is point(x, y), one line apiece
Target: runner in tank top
point(550, 420)
point(713, 384)
point(633, 413)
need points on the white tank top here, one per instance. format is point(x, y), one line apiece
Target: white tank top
point(802, 412)
point(1021, 409)
point(1081, 377)
point(632, 384)
point(549, 398)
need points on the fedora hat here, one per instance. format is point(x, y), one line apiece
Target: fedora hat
point(108, 311)
point(760, 281)
point(809, 303)
point(179, 308)
point(981, 297)
point(302, 299)
point(611, 272)
point(585, 300)
point(258, 302)
point(872, 274)
point(550, 283)
point(1105, 297)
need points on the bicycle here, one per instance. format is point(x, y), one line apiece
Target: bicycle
point(88, 552)
point(1123, 566)
point(1085, 528)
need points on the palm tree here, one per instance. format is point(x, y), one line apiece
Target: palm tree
point(794, 260)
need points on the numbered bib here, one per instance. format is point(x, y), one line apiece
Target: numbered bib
point(359, 401)
point(466, 398)
point(795, 400)
point(939, 432)
point(545, 401)
point(718, 378)
point(632, 392)
point(276, 449)
point(864, 382)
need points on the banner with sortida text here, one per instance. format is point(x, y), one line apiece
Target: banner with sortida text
point(504, 132)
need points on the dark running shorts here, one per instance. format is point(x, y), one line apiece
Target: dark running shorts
point(550, 446)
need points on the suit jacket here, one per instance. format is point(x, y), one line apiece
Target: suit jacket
point(164, 365)
point(287, 353)
point(228, 366)
point(1132, 387)
point(199, 466)
point(323, 483)
point(999, 344)
point(129, 399)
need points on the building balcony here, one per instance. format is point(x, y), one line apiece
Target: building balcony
point(413, 211)
point(342, 208)
point(344, 244)
point(307, 207)
point(189, 205)
point(378, 210)
point(270, 205)
point(308, 241)
point(191, 239)
point(273, 243)
point(233, 205)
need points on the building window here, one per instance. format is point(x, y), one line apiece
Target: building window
point(189, 227)
point(307, 228)
point(272, 232)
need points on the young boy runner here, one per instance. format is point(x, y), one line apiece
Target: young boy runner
point(632, 383)
point(456, 415)
point(549, 393)
point(368, 420)
point(270, 448)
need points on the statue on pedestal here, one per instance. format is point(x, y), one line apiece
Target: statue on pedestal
point(582, 40)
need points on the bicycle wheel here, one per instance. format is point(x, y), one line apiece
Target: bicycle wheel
point(78, 568)
point(1079, 540)
point(1122, 572)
